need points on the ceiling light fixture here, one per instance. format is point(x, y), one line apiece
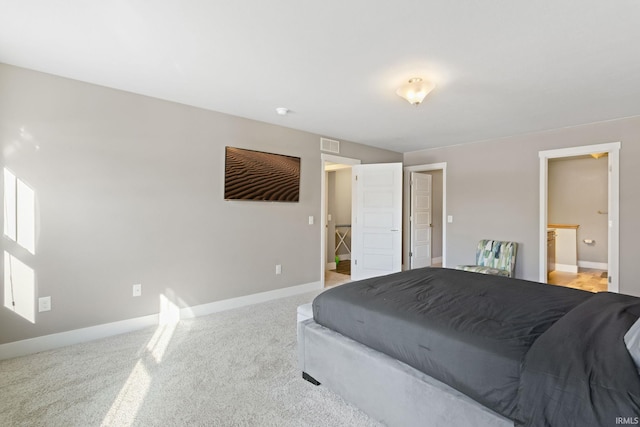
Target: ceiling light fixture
point(282, 111)
point(415, 90)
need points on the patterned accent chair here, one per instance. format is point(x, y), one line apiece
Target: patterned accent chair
point(494, 257)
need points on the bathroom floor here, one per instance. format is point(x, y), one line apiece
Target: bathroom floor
point(587, 279)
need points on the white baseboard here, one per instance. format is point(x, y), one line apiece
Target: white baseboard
point(568, 268)
point(595, 265)
point(330, 266)
point(76, 336)
point(228, 304)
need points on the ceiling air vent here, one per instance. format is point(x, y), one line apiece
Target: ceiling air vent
point(329, 145)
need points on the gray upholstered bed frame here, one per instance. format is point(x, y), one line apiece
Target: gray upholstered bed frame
point(385, 388)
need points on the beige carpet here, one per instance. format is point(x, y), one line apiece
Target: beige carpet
point(235, 368)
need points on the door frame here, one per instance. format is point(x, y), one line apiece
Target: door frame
point(406, 233)
point(323, 204)
point(613, 245)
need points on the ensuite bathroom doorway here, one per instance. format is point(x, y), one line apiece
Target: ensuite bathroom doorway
point(579, 217)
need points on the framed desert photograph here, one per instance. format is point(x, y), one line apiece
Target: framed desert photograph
point(257, 175)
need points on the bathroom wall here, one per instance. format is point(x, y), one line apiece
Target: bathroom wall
point(578, 194)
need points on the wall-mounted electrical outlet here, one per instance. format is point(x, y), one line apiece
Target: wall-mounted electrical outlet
point(44, 304)
point(278, 269)
point(137, 290)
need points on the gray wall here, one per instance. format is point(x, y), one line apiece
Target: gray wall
point(493, 192)
point(577, 191)
point(129, 189)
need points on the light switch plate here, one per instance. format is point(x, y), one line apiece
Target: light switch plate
point(44, 304)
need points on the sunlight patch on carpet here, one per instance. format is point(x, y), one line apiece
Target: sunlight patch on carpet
point(127, 404)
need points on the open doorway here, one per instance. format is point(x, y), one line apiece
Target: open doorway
point(577, 222)
point(336, 208)
point(425, 216)
point(579, 229)
point(338, 223)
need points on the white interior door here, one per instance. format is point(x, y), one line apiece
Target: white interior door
point(376, 220)
point(420, 220)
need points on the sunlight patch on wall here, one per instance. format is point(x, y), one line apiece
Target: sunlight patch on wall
point(26, 224)
point(169, 312)
point(168, 319)
point(19, 212)
point(19, 287)
point(19, 226)
point(10, 203)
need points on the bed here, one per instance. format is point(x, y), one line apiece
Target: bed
point(441, 347)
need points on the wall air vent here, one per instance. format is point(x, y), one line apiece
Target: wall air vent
point(330, 145)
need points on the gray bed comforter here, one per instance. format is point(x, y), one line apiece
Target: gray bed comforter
point(579, 372)
point(468, 330)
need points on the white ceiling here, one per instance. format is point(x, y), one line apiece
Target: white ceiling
point(502, 67)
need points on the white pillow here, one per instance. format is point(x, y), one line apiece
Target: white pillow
point(632, 340)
